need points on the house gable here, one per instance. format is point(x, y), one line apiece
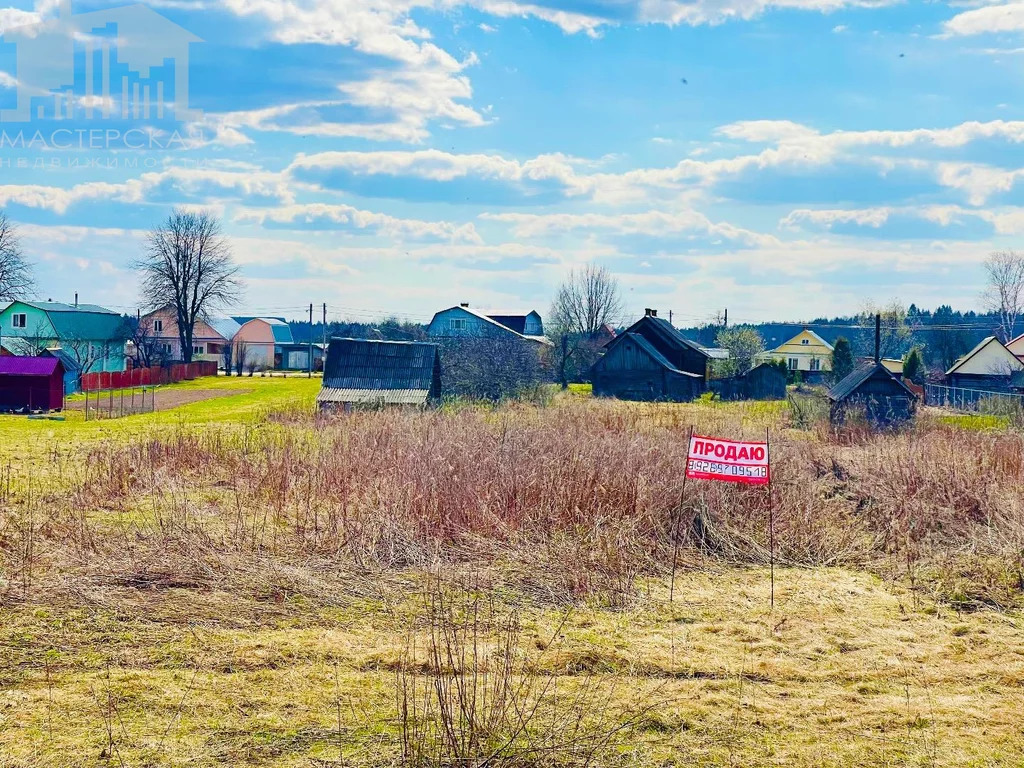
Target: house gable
point(1016, 346)
point(989, 358)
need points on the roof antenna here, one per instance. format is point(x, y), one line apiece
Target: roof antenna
point(878, 338)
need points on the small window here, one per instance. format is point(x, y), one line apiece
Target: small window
point(815, 364)
point(19, 320)
point(158, 326)
point(805, 341)
point(197, 350)
point(794, 363)
point(458, 323)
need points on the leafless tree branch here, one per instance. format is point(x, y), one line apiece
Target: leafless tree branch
point(15, 270)
point(188, 268)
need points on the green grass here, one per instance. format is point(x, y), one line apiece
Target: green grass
point(257, 662)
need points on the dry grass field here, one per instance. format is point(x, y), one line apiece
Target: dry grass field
point(240, 582)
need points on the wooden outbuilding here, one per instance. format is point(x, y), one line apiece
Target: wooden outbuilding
point(651, 360)
point(763, 382)
point(365, 373)
point(31, 384)
point(871, 389)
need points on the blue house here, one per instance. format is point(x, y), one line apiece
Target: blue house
point(464, 321)
point(92, 336)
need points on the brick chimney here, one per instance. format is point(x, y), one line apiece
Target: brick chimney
point(650, 312)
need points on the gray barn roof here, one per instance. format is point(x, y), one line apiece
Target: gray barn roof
point(387, 372)
point(859, 375)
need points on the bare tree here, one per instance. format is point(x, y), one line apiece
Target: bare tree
point(1004, 293)
point(490, 366)
point(241, 357)
point(187, 267)
point(15, 271)
point(227, 354)
point(588, 300)
point(897, 330)
point(148, 350)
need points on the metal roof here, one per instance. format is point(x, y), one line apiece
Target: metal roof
point(225, 326)
point(374, 396)
point(381, 371)
point(716, 353)
point(56, 306)
point(28, 366)
point(980, 346)
point(488, 319)
point(87, 322)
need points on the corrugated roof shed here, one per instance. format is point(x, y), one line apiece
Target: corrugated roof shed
point(361, 371)
point(28, 366)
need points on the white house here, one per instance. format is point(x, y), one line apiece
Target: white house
point(988, 366)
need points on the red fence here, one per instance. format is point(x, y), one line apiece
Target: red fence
point(148, 377)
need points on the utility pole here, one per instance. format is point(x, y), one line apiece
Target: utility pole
point(670, 317)
point(878, 338)
point(309, 374)
point(323, 352)
point(725, 320)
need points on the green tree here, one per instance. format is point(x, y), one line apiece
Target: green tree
point(744, 344)
point(842, 358)
point(913, 365)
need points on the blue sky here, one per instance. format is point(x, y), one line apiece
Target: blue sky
point(784, 159)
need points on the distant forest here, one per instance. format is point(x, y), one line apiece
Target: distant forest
point(944, 334)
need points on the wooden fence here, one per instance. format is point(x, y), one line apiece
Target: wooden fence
point(116, 403)
point(147, 377)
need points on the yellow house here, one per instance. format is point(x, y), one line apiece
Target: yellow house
point(806, 351)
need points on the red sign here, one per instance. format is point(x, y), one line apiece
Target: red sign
point(710, 458)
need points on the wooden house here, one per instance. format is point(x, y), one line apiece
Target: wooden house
point(31, 384)
point(989, 366)
point(366, 373)
point(872, 389)
point(806, 352)
point(651, 360)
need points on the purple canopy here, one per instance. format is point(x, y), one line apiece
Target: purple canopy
point(28, 366)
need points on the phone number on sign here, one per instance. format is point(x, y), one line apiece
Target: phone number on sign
point(715, 468)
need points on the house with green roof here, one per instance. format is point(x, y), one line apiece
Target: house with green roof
point(91, 335)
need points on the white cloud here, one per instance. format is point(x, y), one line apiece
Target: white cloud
point(529, 225)
point(698, 12)
point(1007, 17)
point(185, 181)
point(14, 17)
point(346, 215)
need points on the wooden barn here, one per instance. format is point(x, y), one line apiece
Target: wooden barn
point(872, 389)
point(363, 372)
point(763, 382)
point(31, 384)
point(651, 360)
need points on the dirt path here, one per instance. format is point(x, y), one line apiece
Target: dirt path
point(169, 398)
